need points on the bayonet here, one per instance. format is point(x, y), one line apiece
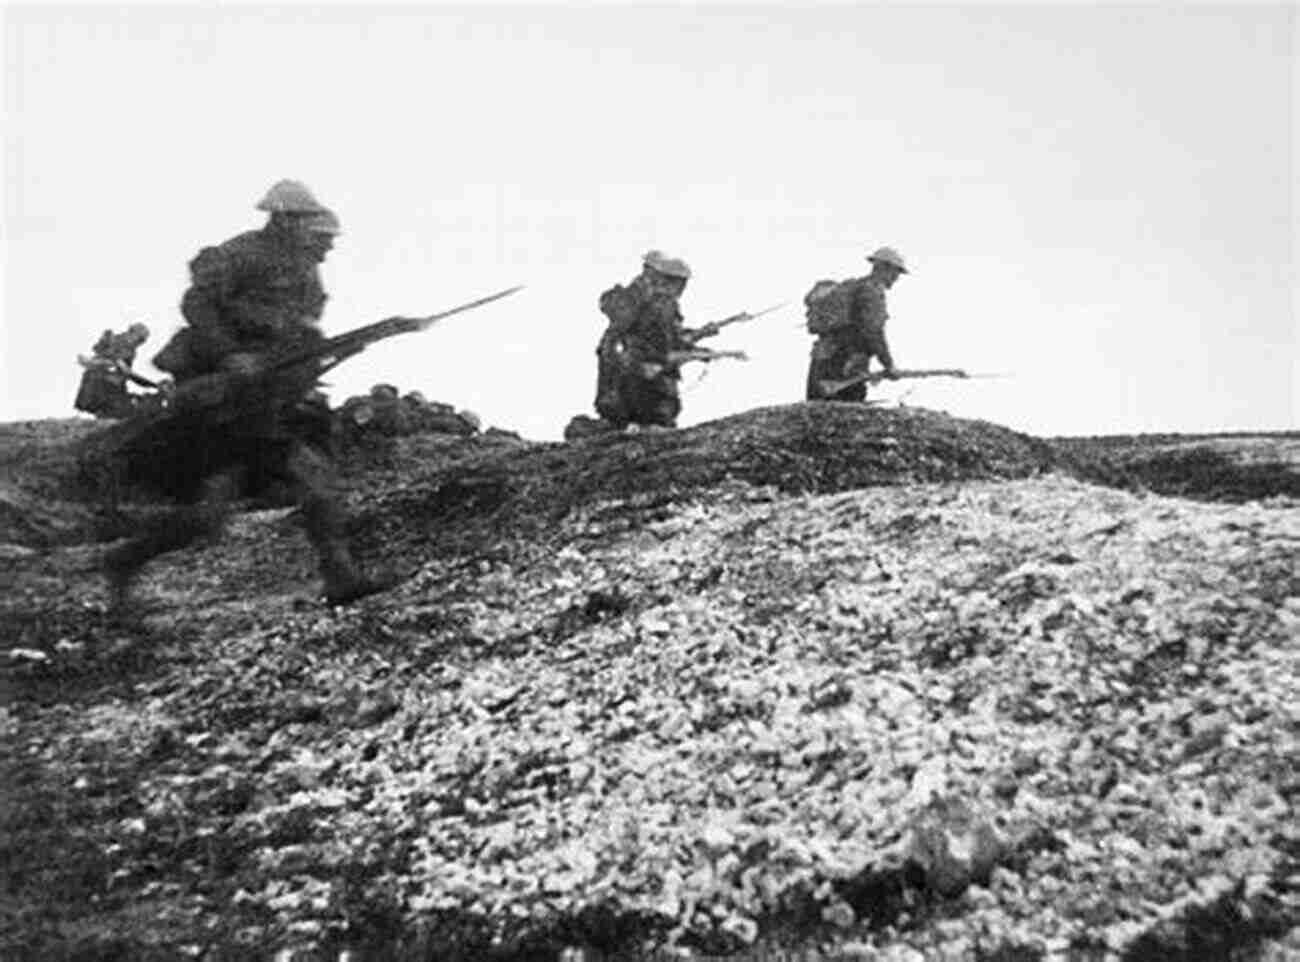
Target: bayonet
point(712, 328)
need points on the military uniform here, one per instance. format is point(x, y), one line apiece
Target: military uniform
point(258, 294)
point(855, 330)
point(846, 351)
point(635, 383)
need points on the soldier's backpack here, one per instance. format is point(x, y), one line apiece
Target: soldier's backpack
point(828, 306)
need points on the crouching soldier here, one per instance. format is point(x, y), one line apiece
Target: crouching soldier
point(637, 383)
point(848, 318)
point(251, 298)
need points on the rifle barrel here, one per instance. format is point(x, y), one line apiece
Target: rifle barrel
point(833, 387)
point(343, 346)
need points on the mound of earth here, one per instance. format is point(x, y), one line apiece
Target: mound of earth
point(40, 504)
point(1221, 467)
point(51, 472)
point(54, 475)
point(495, 477)
point(796, 449)
point(1025, 718)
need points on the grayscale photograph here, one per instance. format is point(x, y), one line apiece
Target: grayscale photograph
point(602, 481)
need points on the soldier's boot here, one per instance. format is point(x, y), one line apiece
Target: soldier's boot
point(120, 573)
point(122, 565)
point(323, 517)
point(344, 581)
point(177, 529)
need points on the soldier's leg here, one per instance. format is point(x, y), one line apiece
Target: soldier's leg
point(855, 392)
point(813, 389)
point(610, 408)
point(828, 363)
point(641, 399)
point(825, 363)
point(326, 522)
point(852, 363)
point(609, 402)
point(174, 530)
point(665, 404)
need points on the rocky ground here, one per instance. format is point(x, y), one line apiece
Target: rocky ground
point(815, 682)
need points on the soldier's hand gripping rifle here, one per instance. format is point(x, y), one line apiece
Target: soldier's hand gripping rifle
point(211, 389)
point(830, 388)
point(676, 359)
point(712, 328)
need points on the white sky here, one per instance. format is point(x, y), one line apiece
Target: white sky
point(1098, 200)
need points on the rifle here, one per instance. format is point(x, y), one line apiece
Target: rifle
point(211, 389)
point(830, 388)
point(116, 367)
point(678, 358)
point(339, 348)
point(712, 328)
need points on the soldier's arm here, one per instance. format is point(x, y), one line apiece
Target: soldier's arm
point(205, 306)
point(691, 336)
point(314, 305)
point(871, 317)
point(685, 338)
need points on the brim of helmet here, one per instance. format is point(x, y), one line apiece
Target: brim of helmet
point(877, 260)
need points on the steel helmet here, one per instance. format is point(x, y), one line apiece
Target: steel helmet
point(326, 222)
point(290, 197)
point(887, 255)
point(661, 262)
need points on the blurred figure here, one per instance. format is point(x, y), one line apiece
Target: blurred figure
point(103, 390)
point(235, 418)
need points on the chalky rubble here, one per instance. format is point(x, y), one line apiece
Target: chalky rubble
point(1033, 715)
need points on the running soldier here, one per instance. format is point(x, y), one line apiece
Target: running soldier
point(251, 298)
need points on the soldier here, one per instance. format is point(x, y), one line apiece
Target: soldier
point(390, 417)
point(251, 297)
point(122, 347)
point(103, 391)
point(636, 383)
point(849, 319)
